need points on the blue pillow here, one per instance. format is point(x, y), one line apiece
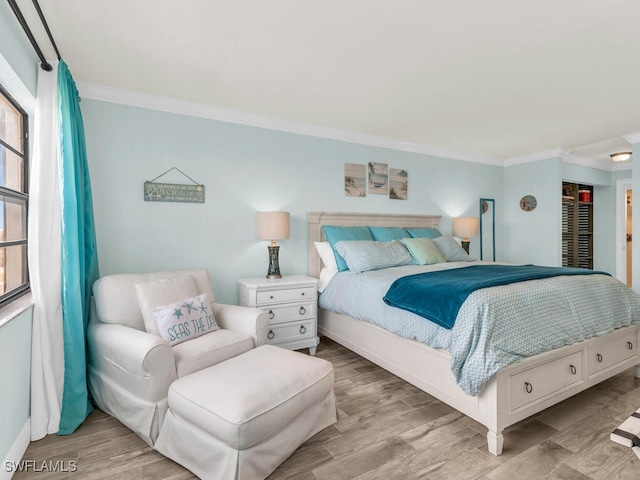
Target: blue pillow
point(424, 233)
point(362, 256)
point(387, 234)
point(336, 234)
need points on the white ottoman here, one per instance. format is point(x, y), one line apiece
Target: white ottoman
point(243, 417)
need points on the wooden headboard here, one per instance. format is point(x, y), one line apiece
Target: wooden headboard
point(317, 219)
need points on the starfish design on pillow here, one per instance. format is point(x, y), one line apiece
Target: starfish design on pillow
point(178, 312)
point(203, 309)
point(188, 306)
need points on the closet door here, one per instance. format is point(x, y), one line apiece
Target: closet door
point(577, 225)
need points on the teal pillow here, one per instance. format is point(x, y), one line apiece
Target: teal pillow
point(364, 255)
point(424, 232)
point(387, 234)
point(336, 234)
point(423, 250)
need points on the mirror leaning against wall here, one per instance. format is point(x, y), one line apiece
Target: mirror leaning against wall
point(487, 229)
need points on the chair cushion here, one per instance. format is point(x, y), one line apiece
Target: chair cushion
point(117, 302)
point(162, 292)
point(248, 398)
point(210, 349)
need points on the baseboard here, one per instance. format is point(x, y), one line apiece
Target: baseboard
point(16, 451)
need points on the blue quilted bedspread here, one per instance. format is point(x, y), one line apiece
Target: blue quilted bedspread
point(438, 296)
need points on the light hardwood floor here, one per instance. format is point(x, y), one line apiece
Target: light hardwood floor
point(388, 429)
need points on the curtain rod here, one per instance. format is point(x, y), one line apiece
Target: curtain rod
point(23, 23)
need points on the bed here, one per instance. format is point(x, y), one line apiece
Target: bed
point(515, 392)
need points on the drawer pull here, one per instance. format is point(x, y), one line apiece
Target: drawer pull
point(271, 297)
point(599, 357)
point(630, 345)
point(573, 369)
point(303, 329)
point(271, 335)
point(303, 294)
point(302, 311)
point(528, 387)
point(271, 315)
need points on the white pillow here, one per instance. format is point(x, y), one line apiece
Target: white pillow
point(181, 321)
point(451, 250)
point(326, 255)
point(326, 274)
point(163, 291)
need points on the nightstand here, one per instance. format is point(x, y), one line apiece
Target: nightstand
point(292, 305)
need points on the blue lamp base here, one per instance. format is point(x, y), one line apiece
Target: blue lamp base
point(274, 267)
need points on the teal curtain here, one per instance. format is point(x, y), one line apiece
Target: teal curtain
point(79, 253)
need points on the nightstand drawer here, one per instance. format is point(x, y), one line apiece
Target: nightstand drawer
point(290, 295)
point(298, 311)
point(290, 331)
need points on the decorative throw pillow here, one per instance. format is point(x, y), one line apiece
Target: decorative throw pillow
point(424, 232)
point(423, 250)
point(336, 234)
point(181, 321)
point(387, 234)
point(365, 255)
point(451, 250)
point(163, 291)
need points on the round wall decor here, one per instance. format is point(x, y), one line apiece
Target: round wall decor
point(528, 203)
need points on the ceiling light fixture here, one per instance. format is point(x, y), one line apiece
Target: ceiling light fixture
point(620, 156)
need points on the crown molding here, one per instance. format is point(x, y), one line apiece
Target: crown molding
point(534, 157)
point(171, 105)
point(632, 137)
point(588, 162)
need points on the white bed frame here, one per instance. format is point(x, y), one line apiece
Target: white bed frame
point(514, 393)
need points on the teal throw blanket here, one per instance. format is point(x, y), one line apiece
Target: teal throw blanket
point(438, 296)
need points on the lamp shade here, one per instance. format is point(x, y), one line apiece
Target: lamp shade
point(465, 227)
point(273, 225)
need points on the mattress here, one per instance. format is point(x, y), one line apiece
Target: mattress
point(495, 326)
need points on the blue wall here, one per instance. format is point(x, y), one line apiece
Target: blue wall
point(15, 371)
point(534, 236)
point(244, 170)
point(16, 51)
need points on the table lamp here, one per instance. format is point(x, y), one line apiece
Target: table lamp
point(465, 227)
point(273, 226)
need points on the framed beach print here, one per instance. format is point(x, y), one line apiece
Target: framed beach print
point(378, 178)
point(398, 184)
point(355, 180)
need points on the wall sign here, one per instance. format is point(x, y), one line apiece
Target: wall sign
point(173, 192)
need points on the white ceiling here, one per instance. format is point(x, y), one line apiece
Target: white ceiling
point(493, 78)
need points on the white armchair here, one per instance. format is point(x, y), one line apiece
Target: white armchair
point(130, 370)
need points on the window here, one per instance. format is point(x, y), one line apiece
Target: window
point(14, 160)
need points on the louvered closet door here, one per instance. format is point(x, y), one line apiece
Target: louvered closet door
point(577, 225)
